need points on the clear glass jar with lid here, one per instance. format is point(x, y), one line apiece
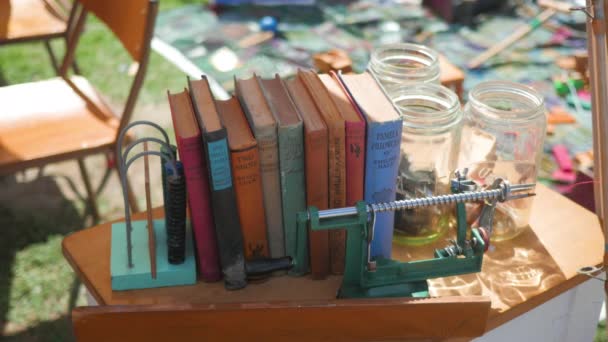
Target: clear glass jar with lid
point(395, 65)
point(432, 122)
point(503, 135)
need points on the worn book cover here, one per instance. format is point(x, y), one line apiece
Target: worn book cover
point(291, 157)
point(316, 166)
point(246, 173)
point(223, 200)
point(337, 162)
point(384, 125)
point(190, 147)
point(264, 127)
point(354, 124)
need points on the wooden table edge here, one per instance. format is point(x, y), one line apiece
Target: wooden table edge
point(495, 319)
point(83, 278)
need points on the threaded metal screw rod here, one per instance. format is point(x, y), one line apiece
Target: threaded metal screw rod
point(474, 196)
point(435, 200)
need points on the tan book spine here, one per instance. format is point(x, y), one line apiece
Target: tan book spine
point(271, 183)
point(337, 192)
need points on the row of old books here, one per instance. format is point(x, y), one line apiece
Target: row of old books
point(254, 161)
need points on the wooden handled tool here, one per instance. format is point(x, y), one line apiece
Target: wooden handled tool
point(560, 6)
point(512, 39)
point(151, 234)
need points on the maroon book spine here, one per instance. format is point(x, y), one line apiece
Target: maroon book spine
point(199, 203)
point(355, 152)
point(355, 161)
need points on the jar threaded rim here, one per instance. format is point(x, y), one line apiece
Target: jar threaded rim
point(427, 106)
point(396, 62)
point(491, 99)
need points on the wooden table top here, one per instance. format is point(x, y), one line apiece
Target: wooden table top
point(517, 275)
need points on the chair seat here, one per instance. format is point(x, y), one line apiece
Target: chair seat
point(51, 112)
point(22, 20)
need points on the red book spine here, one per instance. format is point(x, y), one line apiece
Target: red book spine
point(355, 161)
point(355, 152)
point(199, 203)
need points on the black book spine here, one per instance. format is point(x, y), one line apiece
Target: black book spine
point(226, 219)
point(175, 215)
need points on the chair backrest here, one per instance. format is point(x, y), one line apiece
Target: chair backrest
point(132, 22)
point(127, 19)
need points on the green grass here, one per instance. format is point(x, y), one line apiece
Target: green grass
point(600, 335)
point(36, 283)
point(102, 60)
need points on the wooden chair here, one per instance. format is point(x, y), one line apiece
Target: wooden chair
point(36, 20)
point(65, 118)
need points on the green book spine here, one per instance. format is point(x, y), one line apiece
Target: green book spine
point(293, 183)
point(271, 184)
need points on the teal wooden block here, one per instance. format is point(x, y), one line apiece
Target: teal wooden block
point(139, 276)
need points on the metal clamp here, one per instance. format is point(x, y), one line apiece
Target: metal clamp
point(461, 183)
point(591, 272)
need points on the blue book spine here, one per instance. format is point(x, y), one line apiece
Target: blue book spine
point(381, 167)
point(225, 213)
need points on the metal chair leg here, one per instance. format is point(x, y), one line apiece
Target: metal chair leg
point(89, 188)
point(74, 65)
point(49, 49)
point(40, 172)
point(104, 181)
point(74, 291)
point(132, 197)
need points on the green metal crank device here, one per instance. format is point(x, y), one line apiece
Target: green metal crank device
point(367, 277)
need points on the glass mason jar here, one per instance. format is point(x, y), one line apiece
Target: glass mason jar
point(503, 136)
point(432, 119)
point(397, 64)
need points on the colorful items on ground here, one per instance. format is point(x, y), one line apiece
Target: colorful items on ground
point(357, 28)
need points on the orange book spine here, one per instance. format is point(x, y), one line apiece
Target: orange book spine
point(250, 201)
point(316, 159)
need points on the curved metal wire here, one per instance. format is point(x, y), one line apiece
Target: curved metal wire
point(124, 167)
point(154, 153)
point(128, 149)
point(123, 179)
point(121, 136)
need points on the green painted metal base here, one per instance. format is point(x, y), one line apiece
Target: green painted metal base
point(388, 278)
point(139, 276)
point(416, 289)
